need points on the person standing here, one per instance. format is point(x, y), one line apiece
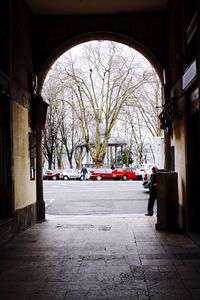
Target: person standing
point(153, 192)
point(84, 172)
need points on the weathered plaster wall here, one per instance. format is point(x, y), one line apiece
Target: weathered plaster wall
point(24, 188)
point(178, 140)
point(20, 69)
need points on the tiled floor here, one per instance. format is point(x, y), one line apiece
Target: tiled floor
point(99, 257)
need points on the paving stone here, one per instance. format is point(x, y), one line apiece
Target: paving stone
point(99, 257)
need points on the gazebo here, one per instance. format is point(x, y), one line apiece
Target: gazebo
point(115, 143)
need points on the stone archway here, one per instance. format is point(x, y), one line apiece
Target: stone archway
point(56, 53)
point(100, 35)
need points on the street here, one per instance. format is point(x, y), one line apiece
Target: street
point(95, 197)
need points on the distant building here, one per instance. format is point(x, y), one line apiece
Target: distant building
point(159, 151)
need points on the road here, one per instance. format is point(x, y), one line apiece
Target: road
point(95, 197)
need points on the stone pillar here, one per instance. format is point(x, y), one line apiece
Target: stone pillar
point(87, 156)
point(39, 180)
point(108, 156)
point(39, 116)
point(111, 154)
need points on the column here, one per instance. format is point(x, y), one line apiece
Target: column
point(40, 204)
point(40, 109)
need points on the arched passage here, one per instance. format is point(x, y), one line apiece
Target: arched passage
point(69, 45)
point(124, 57)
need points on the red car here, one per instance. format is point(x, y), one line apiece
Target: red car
point(124, 173)
point(119, 173)
point(101, 173)
point(53, 174)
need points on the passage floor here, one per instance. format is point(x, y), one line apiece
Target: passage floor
point(100, 257)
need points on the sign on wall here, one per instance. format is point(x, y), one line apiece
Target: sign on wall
point(189, 75)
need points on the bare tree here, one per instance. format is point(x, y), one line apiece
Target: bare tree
point(149, 103)
point(50, 134)
point(142, 113)
point(94, 88)
point(69, 129)
point(100, 87)
point(50, 137)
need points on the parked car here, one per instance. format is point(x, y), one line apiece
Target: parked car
point(124, 173)
point(139, 173)
point(53, 174)
point(67, 174)
point(146, 178)
point(101, 173)
point(142, 169)
point(44, 174)
point(118, 173)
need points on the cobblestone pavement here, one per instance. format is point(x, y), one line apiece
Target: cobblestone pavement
point(99, 257)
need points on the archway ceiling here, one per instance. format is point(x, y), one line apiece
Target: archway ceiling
point(92, 7)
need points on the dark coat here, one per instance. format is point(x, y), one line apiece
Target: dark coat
point(153, 189)
point(84, 170)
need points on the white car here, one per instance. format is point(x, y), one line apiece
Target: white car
point(142, 169)
point(67, 174)
point(139, 172)
point(146, 177)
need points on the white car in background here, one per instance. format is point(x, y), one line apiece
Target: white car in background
point(142, 169)
point(146, 178)
point(67, 174)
